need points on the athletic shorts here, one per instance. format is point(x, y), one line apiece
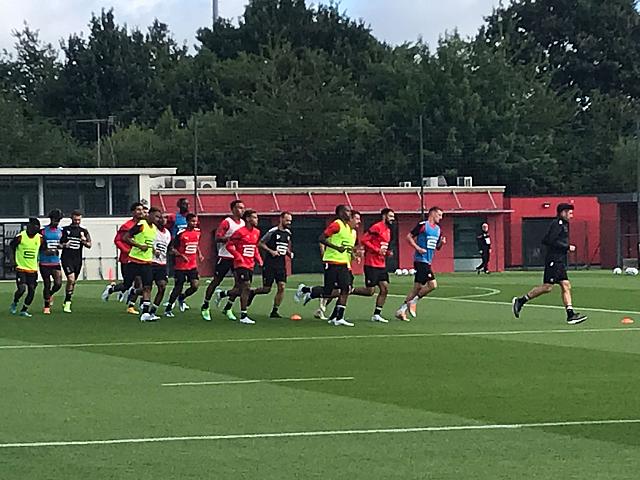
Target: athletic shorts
point(30, 279)
point(142, 270)
point(374, 276)
point(424, 273)
point(336, 276)
point(72, 266)
point(272, 274)
point(243, 275)
point(159, 273)
point(555, 272)
point(183, 276)
point(47, 270)
point(223, 266)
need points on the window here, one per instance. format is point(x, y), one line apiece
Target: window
point(89, 194)
point(124, 191)
point(18, 196)
point(465, 230)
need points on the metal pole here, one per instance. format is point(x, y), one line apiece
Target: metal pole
point(638, 188)
point(195, 167)
point(98, 130)
point(215, 12)
point(421, 171)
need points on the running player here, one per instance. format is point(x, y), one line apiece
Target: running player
point(277, 245)
point(376, 251)
point(425, 239)
point(243, 245)
point(557, 246)
point(137, 212)
point(50, 269)
point(141, 238)
point(224, 264)
point(74, 239)
point(26, 246)
point(186, 250)
point(159, 266)
point(339, 241)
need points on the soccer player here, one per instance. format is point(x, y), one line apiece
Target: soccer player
point(74, 239)
point(243, 245)
point(339, 242)
point(224, 264)
point(178, 221)
point(376, 251)
point(425, 239)
point(557, 246)
point(159, 265)
point(141, 238)
point(137, 212)
point(484, 247)
point(277, 246)
point(185, 247)
point(50, 269)
point(26, 246)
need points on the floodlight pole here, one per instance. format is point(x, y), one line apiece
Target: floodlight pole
point(195, 166)
point(421, 171)
point(638, 186)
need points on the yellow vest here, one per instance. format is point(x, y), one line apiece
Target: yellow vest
point(27, 252)
point(343, 237)
point(146, 236)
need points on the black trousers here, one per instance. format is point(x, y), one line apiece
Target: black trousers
point(486, 256)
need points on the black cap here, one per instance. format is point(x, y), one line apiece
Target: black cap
point(563, 206)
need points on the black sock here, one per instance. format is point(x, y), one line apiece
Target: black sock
point(570, 311)
point(340, 312)
point(306, 289)
point(67, 296)
point(275, 308)
point(145, 307)
point(334, 313)
point(24, 308)
point(224, 294)
point(378, 310)
point(181, 298)
point(169, 307)
point(153, 308)
point(205, 305)
point(243, 314)
point(228, 306)
point(524, 299)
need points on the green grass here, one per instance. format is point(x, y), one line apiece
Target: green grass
point(455, 365)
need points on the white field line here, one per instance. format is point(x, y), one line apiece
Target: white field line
point(266, 380)
point(319, 433)
point(37, 346)
point(488, 293)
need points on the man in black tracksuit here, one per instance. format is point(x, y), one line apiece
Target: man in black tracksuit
point(557, 246)
point(484, 247)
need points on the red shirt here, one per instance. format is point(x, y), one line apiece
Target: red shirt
point(123, 246)
point(376, 245)
point(243, 245)
point(186, 243)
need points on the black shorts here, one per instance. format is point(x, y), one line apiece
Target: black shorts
point(142, 270)
point(336, 276)
point(47, 270)
point(183, 276)
point(30, 279)
point(424, 273)
point(273, 273)
point(159, 273)
point(223, 266)
point(243, 275)
point(72, 266)
point(374, 276)
point(555, 272)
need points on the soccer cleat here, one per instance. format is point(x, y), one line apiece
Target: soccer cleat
point(24, 313)
point(206, 314)
point(275, 315)
point(320, 314)
point(46, 310)
point(66, 307)
point(378, 318)
point(217, 297)
point(413, 309)
point(229, 314)
point(299, 295)
point(13, 308)
point(132, 311)
point(121, 296)
point(576, 318)
point(146, 317)
point(106, 292)
point(342, 322)
point(182, 306)
point(402, 315)
point(246, 321)
point(516, 306)
point(169, 313)
point(154, 317)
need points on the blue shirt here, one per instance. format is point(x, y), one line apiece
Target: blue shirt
point(179, 224)
point(427, 237)
point(51, 239)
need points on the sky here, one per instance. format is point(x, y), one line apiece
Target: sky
point(394, 21)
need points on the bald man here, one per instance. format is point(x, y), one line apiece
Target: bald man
point(484, 247)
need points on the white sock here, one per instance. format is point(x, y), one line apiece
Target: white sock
point(403, 308)
point(414, 300)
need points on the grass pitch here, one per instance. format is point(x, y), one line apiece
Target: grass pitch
point(464, 391)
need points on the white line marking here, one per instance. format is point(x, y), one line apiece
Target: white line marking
point(488, 293)
point(316, 337)
point(319, 433)
point(274, 380)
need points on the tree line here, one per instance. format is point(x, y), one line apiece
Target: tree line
point(543, 99)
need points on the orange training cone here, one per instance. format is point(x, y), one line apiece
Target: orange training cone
point(627, 321)
point(295, 317)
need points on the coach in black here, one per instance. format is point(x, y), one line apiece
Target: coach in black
point(557, 246)
point(484, 247)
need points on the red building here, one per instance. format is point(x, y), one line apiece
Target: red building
point(619, 227)
point(466, 208)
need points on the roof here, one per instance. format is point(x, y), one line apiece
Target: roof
point(152, 172)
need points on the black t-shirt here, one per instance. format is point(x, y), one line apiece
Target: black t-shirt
point(277, 240)
point(557, 241)
point(72, 234)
